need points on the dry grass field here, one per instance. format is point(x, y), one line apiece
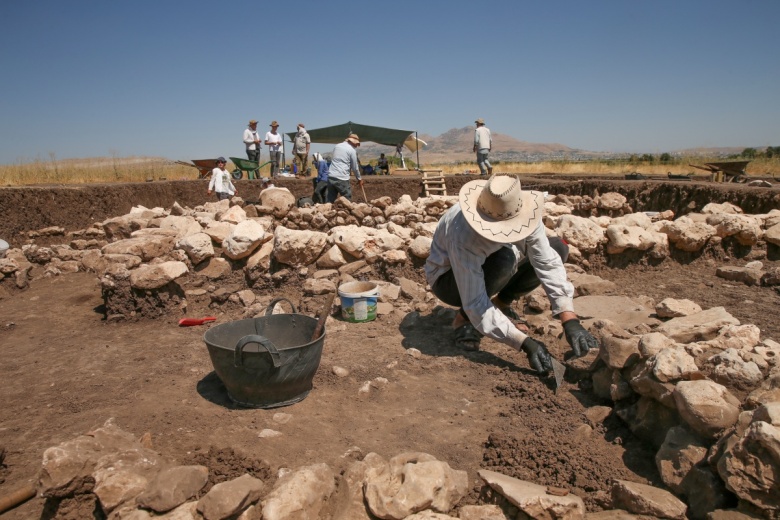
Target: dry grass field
point(143, 169)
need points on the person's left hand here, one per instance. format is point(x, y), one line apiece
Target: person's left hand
point(581, 340)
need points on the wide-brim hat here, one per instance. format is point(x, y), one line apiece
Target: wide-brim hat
point(274, 123)
point(354, 139)
point(499, 210)
point(480, 121)
point(253, 121)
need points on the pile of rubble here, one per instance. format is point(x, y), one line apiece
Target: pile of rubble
point(131, 481)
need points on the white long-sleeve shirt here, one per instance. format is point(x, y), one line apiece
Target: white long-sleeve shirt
point(457, 247)
point(249, 139)
point(220, 182)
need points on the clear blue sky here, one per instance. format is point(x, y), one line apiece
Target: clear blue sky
point(181, 79)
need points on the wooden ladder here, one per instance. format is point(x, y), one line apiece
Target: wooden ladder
point(433, 183)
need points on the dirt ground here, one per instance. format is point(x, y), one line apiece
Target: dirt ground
point(65, 371)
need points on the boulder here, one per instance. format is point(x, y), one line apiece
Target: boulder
point(243, 239)
point(534, 500)
point(154, 276)
point(707, 407)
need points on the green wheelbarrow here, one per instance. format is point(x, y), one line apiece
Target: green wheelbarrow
point(251, 168)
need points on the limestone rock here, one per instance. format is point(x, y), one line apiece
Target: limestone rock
point(703, 325)
point(642, 499)
point(673, 308)
point(414, 482)
point(154, 276)
point(279, 201)
point(585, 235)
point(300, 494)
point(234, 215)
point(172, 487)
point(183, 226)
point(243, 239)
point(750, 466)
point(680, 452)
point(147, 247)
point(197, 246)
point(298, 248)
point(533, 499)
point(744, 275)
point(707, 407)
point(230, 498)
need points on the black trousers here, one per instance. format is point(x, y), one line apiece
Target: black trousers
point(253, 155)
point(499, 276)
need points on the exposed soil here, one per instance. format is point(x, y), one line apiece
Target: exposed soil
point(66, 370)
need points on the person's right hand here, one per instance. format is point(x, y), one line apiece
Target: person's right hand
point(208, 192)
point(538, 356)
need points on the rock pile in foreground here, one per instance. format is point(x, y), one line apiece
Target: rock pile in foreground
point(130, 481)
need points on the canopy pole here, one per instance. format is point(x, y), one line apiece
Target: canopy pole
point(417, 142)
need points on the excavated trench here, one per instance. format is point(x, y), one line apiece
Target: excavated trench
point(28, 208)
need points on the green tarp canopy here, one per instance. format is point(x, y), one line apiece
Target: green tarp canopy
point(376, 134)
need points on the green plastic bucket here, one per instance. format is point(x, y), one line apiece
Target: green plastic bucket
point(358, 301)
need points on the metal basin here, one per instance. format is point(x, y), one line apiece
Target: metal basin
point(269, 361)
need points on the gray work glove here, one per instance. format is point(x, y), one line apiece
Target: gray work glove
point(538, 356)
point(581, 340)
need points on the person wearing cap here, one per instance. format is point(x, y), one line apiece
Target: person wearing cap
point(252, 142)
point(344, 162)
point(320, 182)
point(220, 181)
point(483, 143)
point(490, 249)
point(274, 141)
point(302, 143)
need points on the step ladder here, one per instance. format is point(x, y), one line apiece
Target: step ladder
point(433, 183)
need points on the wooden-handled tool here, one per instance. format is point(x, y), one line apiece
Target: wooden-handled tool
point(17, 497)
point(324, 313)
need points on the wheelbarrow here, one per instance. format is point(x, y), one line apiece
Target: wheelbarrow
point(733, 171)
point(269, 361)
point(251, 168)
point(204, 166)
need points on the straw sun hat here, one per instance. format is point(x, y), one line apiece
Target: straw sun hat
point(499, 210)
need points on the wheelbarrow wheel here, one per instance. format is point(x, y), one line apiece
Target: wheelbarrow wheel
point(237, 174)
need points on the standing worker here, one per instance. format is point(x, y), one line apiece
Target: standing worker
point(301, 149)
point(220, 181)
point(483, 143)
point(252, 142)
point(488, 251)
point(344, 162)
point(274, 142)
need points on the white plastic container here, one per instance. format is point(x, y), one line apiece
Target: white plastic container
point(358, 301)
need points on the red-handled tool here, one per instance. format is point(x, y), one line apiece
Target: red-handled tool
point(189, 322)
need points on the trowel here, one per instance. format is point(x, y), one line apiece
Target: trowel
point(558, 370)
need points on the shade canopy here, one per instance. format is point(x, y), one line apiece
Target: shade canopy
point(376, 134)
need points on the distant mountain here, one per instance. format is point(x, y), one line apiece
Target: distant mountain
point(455, 145)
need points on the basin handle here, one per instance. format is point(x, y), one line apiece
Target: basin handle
point(270, 308)
point(238, 355)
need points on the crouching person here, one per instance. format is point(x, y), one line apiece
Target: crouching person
point(488, 251)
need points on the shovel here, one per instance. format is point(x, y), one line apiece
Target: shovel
point(190, 322)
